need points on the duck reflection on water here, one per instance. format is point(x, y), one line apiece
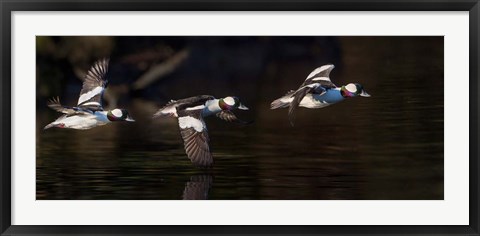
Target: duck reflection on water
point(198, 187)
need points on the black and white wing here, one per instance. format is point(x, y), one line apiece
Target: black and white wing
point(192, 102)
point(299, 95)
point(230, 117)
point(55, 104)
point(173, 105)
point(94, 84)
point(320, 75)
point(195, 137)
point(318, 81)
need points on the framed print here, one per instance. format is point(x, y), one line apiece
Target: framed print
point(267, 117)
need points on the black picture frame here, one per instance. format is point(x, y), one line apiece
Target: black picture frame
point(9, 6)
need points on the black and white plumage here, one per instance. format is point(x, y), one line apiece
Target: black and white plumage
point(89, 111)
point(195, 137)
point(55, 104)
point(318, 81)
point(93, 86)
point(317, 91)
point(190, 113)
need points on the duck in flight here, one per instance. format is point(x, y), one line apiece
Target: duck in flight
point(190, 113)
point(89, 111)
point(317, 91)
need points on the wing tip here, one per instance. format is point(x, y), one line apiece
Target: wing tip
point(103, 62)
point(291, 120)
point(98, 70)
point(291, 115)
point(54, 100)
point(54, 103)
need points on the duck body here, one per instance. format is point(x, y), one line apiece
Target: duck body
point(312, 100)
point(81, 121)
point(89, 111)
point(211, 107)
point(208, 105)
point(317, 91)
point(190, 113)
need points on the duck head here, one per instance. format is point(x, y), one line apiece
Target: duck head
point(353, 90)
point(119, 115)
point(231, 103)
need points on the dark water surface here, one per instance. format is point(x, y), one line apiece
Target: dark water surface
point(388, 146)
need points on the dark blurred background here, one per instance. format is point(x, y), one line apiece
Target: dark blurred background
point(388, 146)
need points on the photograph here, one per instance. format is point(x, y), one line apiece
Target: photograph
point(239, 117)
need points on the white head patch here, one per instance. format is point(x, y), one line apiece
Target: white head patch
point(229, 101)
point(186, 122)
point(117, 112)
point(351, 88)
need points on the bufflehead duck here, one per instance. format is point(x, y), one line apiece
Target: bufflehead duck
point(190, 113)
point(317, 92)
point(89, 111)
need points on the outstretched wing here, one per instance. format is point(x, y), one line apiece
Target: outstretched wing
point(230, 117)
point(94, 84)
point(192, 101)
point(55, 104)
point(173, 105)
point(320, 75)
point(195, 137)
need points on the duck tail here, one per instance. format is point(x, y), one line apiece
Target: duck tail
point(158, 114)
point(49, 126)
point(282, 102)
point(279, 104)
point(167, 111)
